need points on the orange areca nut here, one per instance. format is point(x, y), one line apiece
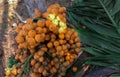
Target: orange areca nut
point(32, 50)
point(40, 69)
point(52, 62)
point(74, 55)
point(41, 53)
point(60, 16)
point(41, 23)
point(61, 42)
point(66, 63)
point(44, 49)
point(53, 70)
point(48, 22)
point(32, 33)
point(29, 21)
point(19, 39)
point(73, 46)
point(58, 48)
point(64, 20)
point(23, 45)
point(50, 45)
point(61, 53)
point(56, 43)
point(39, 30)
point(70, 32)
point(74, 69)
point(21, 59)
point(33, 75)
point(62, 9)
point(67, 58)
point(37, 13)
point(52, 28)
point(41, 59)
point(17, 57)
point(36, 56)
point(67, 36)
point(38, 38)
point(47, 37)
point(71, 41)
point(35, 70)
point(52, 40)
point(34, 25)
point(18, 70)
point(52, 50)
point(77, 50)
point(28, 27)
point(31, 41)
point(43, 37)
point(75, 34)
point(71, 60)
point(53, 6)
point(67, 53)
point(44, 73)
point(23, 33)
point(68, 45)
point(61, 36)
point(24, 27)
point(54, 11)
point(64, 47)
point(17, 30)
point(33, 62)
point(64, 14)
point(37, 65)
point(53, 36)
point(45, 15)
point(45, 30)
point(77, 39)
point(78, 44)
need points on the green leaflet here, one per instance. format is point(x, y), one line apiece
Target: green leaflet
point(11, 62)
point(26, 67)
point(112, 20)
point(93, 51)
point(115, 75)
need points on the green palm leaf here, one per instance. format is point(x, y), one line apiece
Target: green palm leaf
point(102, 34)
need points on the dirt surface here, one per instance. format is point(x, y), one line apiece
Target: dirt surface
point(2, 33)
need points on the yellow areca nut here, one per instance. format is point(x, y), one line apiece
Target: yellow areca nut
point(62, 24)
point(14, 71)
point(61, 30)
point(52, 16)
point(55, 21)
point(7, 72)
point(58, 18)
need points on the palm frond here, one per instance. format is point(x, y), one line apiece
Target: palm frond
point(102, 34)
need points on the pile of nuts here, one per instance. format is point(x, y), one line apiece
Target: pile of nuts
point(54, 46)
